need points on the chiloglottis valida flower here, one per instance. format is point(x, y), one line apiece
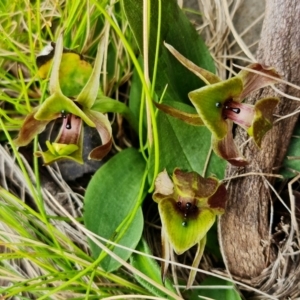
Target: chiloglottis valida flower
point(188, 205)
point(219, 105)
point(73, 88)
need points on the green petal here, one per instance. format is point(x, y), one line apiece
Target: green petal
point(227, 149)
point(30, 128)
point(184, 234)
point(206, 76)
point(254, 81)
point(105, 131)
point(264, 109)
point(54, 84)
point(89, 93)
point(57, 103)
point(209, 100)
point(192, 119)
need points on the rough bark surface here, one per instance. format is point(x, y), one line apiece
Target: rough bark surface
point(244, 228)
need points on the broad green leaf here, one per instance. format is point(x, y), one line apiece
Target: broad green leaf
point(186, 146)
point(150, 268)
point(110, 197)
point(177, 31)
point(217, 289)
point(291, 163)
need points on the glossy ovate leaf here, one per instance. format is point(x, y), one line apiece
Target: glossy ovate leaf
point(110, 198)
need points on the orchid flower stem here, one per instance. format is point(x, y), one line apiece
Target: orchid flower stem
point(208, 158)
point(144, 83)
point(141, 123)
point(156, 50)
point(146, 34)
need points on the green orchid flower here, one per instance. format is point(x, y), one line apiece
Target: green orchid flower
point(219, 105)
point(73, 87)
point(188, 205)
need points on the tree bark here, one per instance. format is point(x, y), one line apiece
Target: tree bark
point(244, 228)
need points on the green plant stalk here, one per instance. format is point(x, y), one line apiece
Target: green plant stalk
point(146, 31)
point(148, 94)
point(88, 290)
point(24, 89)
point(156, 49)
point(141, 118)
point(38, 23)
